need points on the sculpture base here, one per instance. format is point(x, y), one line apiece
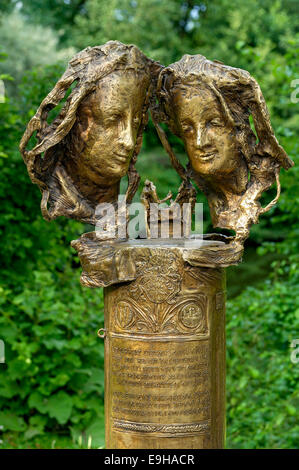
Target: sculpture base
point(107, 262)
point(164, 338)
point(165, 355)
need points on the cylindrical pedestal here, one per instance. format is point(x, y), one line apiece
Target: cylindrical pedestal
point(165, 355)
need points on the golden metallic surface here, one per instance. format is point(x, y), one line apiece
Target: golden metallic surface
point(164, 299)
point(208, 105)
point(111, 262)
point(94, 141)
point(165, 355)
point(173, 223)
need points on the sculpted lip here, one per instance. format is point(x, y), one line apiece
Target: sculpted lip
point(121, 157)
point(206, 156)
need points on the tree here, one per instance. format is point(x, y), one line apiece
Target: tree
point(158, 28)
point(26, 47)
point(56, 14)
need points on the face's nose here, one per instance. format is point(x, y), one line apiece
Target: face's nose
point(201, 136)
point(126, 137)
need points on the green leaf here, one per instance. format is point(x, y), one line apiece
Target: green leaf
point(32, 432)
point(11, 422)
point(292, 410)
point(36, 400)
point(60, 407)
point(96, 433)
point(243, 381)
point(254, 372)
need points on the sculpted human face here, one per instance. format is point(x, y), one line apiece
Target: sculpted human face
point(209, 139)
point(108, 124)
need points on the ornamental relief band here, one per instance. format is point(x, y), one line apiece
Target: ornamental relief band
point(169, 428)
point(166, 296)
point(187, 316)
point(154, 304)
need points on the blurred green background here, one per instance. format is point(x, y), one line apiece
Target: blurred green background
point(51, 387)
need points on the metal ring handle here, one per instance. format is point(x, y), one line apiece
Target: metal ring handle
point(102, 333)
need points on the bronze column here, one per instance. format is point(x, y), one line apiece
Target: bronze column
point(165, 355)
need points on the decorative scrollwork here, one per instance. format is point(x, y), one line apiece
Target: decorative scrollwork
point(203, 427)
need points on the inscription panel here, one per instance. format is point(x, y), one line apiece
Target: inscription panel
point(160, 382)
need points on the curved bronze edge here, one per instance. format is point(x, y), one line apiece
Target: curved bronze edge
point(169, 429)
point(162, 338)
point(95, 280)
point(107, 262)
point(215, 257)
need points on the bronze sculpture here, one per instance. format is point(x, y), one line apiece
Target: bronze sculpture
point(94, 141)
point(208, 104)
point(164, 302)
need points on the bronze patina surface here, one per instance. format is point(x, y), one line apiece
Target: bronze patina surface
point(208, 105)
point(164, 341)
point(164, 299)
point(112, 261)
point(94, 141)
point(165, 355)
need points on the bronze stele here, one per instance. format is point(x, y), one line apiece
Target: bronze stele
point(164, 297)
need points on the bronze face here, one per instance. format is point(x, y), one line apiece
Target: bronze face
point(94, 141)
point(209, 138)
point(208, 105)
point(107, 127)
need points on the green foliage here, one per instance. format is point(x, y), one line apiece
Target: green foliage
point(55, 360)
point(129, 22)
point(262, 382)
point(30, 47)
point(58, 14)
point(54, 379)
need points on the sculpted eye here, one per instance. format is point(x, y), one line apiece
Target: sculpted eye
point(216, 122)
point(136, 121)
point(187, 127)
point(115, 117)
